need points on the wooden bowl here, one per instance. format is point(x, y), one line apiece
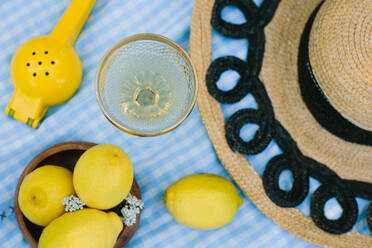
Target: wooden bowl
point(66, 155)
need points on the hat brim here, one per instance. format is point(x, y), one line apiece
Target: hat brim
point(279, 74)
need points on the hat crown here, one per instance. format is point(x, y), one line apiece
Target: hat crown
point(340, 51)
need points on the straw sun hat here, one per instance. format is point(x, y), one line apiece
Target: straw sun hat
point(309, 68)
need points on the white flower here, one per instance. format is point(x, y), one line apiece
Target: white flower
point(73, 203)
point(132, 207)
point(133, 201)
point(129, 215)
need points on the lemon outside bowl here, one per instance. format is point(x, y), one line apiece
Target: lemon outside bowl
point(66, 155)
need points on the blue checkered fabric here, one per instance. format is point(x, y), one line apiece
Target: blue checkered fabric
point(158, 162)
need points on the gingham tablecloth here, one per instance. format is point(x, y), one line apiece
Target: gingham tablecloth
point(158, 162)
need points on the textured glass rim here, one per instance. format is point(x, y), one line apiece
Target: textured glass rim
point(99, 80)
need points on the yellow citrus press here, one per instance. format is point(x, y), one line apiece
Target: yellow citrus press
point(46, 70)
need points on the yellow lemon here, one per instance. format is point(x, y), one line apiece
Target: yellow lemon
point(203, 201)
point(87, 228)
point(42, 191)
point(103, 176)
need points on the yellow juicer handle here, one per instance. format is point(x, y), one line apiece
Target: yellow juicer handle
point(72, 21)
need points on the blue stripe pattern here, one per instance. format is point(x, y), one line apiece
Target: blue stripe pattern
point(158, 162)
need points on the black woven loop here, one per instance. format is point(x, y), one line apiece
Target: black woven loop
point(218, 67)
point(266, 12)
point(360, 189)
point(270, 180)
point(256, 18)
point(347, 202)
point(249, 10)
point(255, 53)
point(319, 171)
point(369, 217)
point(263, 101)
point(284, 139)
point(261, 139)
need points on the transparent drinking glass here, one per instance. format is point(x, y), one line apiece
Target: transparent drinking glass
point(146, 85)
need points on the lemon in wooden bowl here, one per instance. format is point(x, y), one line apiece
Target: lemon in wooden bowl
point(42, 192)
point(103, 176)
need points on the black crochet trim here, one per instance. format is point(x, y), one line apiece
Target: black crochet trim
point(347, 202)
point(242, 87)
point(301, 167)
point(261, 139)
point(300, 187)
